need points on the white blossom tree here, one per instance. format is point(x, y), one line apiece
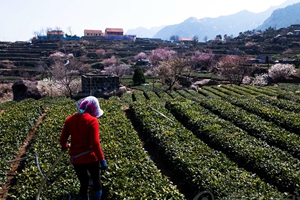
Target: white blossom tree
point(280, 72)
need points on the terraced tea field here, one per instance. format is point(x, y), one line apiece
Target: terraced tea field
point(228, 142)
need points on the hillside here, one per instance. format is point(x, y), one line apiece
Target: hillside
point(282, 18)
point(21, 58)
point(229, 141)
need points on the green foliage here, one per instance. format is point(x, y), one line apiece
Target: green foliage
point(138, 76)
point(224, 141)
point(131, 172)
point(16, 122)
point(275, 165)
point(197, 165)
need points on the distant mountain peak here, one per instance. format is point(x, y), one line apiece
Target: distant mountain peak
point(241, 21)
point(210, 27)
point(191, 20)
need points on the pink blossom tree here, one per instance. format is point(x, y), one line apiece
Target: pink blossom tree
point(117, 70)
point(110, 61)
point(160, 55)
point(202, 60)
point(85, 68)
point(140, 56)
point(100, 52)
point(235, 68)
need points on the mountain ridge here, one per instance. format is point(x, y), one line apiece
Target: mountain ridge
point(207, 27)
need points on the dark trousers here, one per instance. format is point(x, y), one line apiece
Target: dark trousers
point(82, 174)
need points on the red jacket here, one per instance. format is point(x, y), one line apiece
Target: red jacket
point(84, 131)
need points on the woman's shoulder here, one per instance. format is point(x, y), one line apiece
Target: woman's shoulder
point(73, 116)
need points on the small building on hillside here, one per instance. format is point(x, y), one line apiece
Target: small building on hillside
point(55, 34)
point(93, 84)
point(93, 32)
point(114, 31)
point(185, 39)
point(52, 35)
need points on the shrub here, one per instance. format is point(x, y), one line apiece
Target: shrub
point(280, 72)
point(138, 76)
point(261, 80)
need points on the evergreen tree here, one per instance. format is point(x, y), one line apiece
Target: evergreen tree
point(138, 76)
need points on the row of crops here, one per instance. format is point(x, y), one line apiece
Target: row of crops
point(235, 142)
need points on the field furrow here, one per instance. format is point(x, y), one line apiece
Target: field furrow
point(272, 164)
point(198, 166)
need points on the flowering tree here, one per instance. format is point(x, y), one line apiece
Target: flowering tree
point(161, 54)
point(85, 68)
point(204, 59)
point(117, 70)
point(280, 72)
point(100, 52)
point(59, 56)
point(235, 68)
point(261, 80)
point(65, 74)
point(140, 56)
point(110, 61)
point(169, 71)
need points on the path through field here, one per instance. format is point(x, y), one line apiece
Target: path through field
point(16, 166)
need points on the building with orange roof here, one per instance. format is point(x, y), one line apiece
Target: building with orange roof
point(88, 32)
point(55, 33)
point(114, 31)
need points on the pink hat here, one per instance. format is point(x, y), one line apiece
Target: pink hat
point(90, 105)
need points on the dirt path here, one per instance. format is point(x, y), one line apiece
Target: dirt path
point(16, 166)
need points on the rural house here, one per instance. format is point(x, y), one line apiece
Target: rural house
point(55, 34)
point(93, 32)
point(114, 31)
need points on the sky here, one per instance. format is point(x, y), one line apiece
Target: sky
point(20, 19)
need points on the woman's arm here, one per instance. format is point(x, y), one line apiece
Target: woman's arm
point(63, 140)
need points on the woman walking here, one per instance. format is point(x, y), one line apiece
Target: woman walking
point(85, 151)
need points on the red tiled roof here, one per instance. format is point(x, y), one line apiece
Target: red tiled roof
point(114, 30)
point(55, 32)
point(93, 31)
point(185, 39)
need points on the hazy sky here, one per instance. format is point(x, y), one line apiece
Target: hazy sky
point(19, 19)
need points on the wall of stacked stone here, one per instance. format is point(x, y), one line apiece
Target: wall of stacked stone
point(98, 83)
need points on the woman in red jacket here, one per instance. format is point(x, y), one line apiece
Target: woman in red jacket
point(85, 149)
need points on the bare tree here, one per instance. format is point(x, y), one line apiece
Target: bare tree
point(70, 30)
point(174, 38)
point(195, 41)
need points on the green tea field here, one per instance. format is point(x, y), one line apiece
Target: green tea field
point(221, 142)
